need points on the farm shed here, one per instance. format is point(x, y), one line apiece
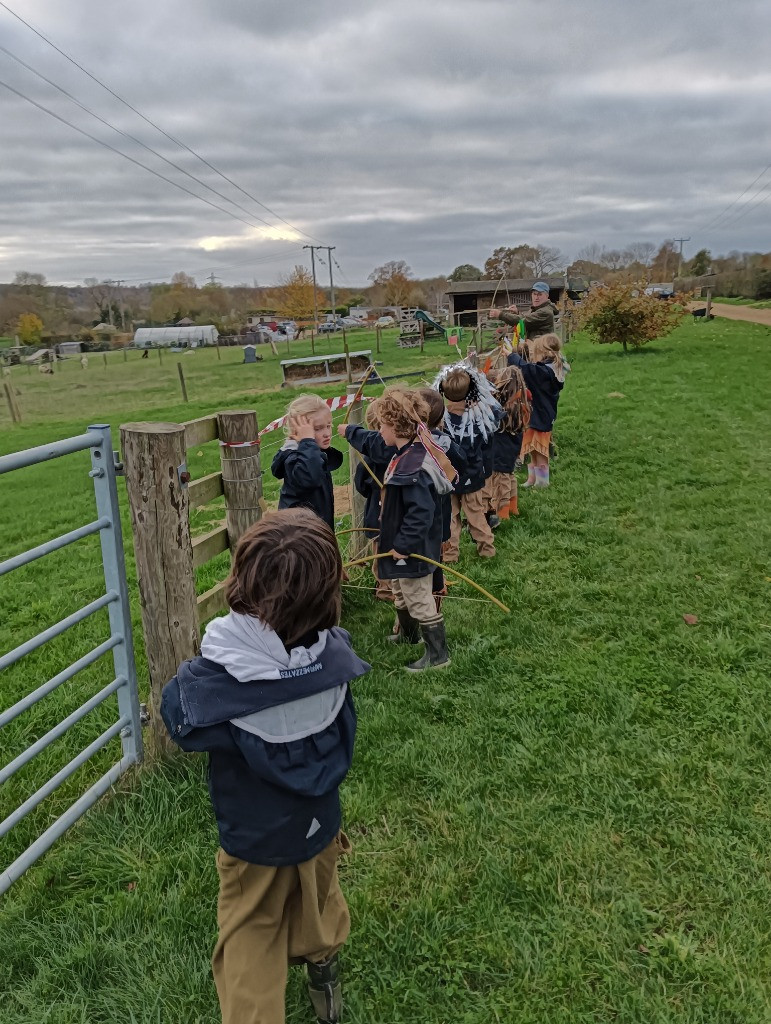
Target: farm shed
point(470, 300)
point(184, 337)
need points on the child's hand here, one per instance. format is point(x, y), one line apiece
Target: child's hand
point(302, 429)
point(341, 429)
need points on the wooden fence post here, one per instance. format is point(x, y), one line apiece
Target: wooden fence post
point(154, 458)
point(181, 373)
point(241, 472)
point(358, 543)
point(13, 407)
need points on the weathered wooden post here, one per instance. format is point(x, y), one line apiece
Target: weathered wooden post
point(347, 358)
point(358, 544)
point(182, 381)
point(241, 472)
point(154, 458)
point(377, 338)
point(13, 407)
point(422, 329)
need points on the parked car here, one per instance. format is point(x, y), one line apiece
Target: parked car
point(352, 321)
point(385, 321)
point(329, 327)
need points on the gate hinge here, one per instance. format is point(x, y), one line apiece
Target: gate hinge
point(118, 463)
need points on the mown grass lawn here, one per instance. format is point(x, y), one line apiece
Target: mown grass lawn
point(570, 824)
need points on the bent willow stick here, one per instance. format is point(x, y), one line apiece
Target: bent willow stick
point(444, 568)
point(357, 396)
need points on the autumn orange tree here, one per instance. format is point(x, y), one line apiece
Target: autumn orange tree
point(623, 313)
point(294, 295)
point(29, 327)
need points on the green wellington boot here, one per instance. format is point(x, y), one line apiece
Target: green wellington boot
point(409, 631)
point(325, 990)
point(435, 654)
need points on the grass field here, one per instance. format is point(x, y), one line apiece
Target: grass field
point(569, 825)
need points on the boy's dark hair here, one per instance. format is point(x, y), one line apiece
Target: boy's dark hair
point(435, 407)
point(286, 572)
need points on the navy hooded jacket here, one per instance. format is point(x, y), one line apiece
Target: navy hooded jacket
point(544, 387)
point(506, 449)
point(377, 455)
point(411, 516)
point(275, 796)
point(306, 471)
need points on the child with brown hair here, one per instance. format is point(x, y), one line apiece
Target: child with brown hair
point(544, 373)
point(269, 700)
point(409, 524)
point(471, 418)
point(305, 461)
point(512, 394)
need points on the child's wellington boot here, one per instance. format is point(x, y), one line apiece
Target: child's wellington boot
point(514, 506)
point(504, 512)
point(409, 629)
point(435, 654)
point(325, 990)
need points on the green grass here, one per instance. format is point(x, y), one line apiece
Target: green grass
point(571, 824)
point(762, 304)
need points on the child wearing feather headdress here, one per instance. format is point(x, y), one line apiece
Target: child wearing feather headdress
point(471, 418)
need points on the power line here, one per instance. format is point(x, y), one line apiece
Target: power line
point(101, 142)
point(171, 138)
point(133, 138)
point(713, 222)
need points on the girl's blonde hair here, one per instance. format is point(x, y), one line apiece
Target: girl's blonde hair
point(303, 405)
point(511, 392)
point(548, 349)
point(402, 409)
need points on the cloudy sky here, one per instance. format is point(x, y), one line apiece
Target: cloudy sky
point(430, 131)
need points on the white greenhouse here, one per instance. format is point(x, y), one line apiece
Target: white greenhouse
point(182, 337)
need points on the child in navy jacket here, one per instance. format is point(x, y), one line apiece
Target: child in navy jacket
point(375, 455)
point(305, 461)
point(269, 700)
point(544, 373)
point(411, 521)
point(513, 396)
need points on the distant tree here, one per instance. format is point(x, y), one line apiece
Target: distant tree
point(664, 266)
point(294, 295)
point(700, 263)
point(23, 279)
point(522, 261)
point(182, 280)
point(29, 327)
point(641, 252)
point(465, 272)
point(621, 313)
point(395, 281)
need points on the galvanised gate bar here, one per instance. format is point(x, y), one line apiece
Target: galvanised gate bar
point(124, 685)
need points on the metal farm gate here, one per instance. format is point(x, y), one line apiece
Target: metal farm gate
point(107, 524)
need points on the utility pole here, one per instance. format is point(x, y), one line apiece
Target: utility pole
point(313, 271)
point(120, 300)
point(330, 250)
point(680, 261)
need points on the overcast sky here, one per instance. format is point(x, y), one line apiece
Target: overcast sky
point(430, 131)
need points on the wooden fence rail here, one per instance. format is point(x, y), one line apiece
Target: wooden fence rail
point(160, 497)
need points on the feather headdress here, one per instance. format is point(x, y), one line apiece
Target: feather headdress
point(481, 413)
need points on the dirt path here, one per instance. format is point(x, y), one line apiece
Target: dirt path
point(755, 316)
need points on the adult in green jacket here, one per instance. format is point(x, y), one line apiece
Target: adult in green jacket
point(540, 319)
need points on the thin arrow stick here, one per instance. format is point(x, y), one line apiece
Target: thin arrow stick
point(444, 568)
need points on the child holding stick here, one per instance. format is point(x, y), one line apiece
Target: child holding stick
point(305, 461)
point(512, 394)
point(269, 700)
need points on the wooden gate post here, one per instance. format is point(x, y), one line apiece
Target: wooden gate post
point(241, 472)
point(156, 471)
point(358, 544)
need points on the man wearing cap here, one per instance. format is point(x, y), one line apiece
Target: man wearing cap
point(540, 319)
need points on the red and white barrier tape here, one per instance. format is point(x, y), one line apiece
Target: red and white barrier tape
point(340, 402)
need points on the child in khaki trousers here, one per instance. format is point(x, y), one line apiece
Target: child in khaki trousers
point(269, 700)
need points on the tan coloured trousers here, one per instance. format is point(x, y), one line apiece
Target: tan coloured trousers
point(500, 488)
point(416, 595)
point(270, 917)
point(474, 506)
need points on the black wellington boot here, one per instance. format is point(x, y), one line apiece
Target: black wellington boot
point(325, 990)
point(409, 629)
point(435, 654)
